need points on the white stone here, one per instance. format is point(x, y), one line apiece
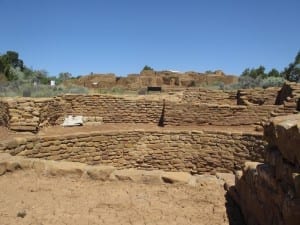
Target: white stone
point(73, 121)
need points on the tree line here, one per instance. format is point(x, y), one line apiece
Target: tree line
point(256, 77)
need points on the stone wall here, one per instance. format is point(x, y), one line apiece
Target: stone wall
point(4, 118)
point(29, 114)
point(24, 113)
point(213, 114)
point(269, 193)
point(113, 109)
point(196, 95)
point(257, 96)
point(190, 151)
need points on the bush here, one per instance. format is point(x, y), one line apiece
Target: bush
point(272, 82)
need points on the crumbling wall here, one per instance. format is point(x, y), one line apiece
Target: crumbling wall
point(269, 193)
point(195, 152)
point(24, 113)
point(52, 112)
point(257, 96)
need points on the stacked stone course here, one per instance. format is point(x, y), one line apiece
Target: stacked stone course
point(212, 114)
point(196, 95)
point(189, 151)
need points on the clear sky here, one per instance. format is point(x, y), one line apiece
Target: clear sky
point(121, 36)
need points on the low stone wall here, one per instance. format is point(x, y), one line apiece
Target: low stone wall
point(9, 164)
point(29, 114)
point(24, 113)
point(269, 193)
point(113, 109)
point(195, 152)
point(226, 115)
point(257, 96)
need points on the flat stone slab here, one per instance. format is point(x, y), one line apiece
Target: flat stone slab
point(71, 121)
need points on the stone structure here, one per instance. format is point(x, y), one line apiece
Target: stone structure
point(189, 151)
point(155, 78)
point(28, 114)
point(269, 192)
point(200, 95)
point(258, 96)
point(213, 114)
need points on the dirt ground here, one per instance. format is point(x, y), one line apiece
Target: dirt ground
point(28, 198)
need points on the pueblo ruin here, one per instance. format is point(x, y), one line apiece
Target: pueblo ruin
point(190, 156)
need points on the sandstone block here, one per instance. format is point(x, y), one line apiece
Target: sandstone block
point(62, 168)
point(100, 172)
point(284, 132)
point(12, 166)
point(250, 166)
point(176, 177)
point(228, 178)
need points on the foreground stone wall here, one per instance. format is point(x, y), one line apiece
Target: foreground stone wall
point(195, 152)
point(269, 193)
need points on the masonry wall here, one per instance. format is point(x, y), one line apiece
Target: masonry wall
point(113, 109)
point(228, 115)
point(24, 113)
point(196, 95)
point(28, 114)
point(269, 193)
point(195, 151)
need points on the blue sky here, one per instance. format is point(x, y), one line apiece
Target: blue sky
point(83, 36)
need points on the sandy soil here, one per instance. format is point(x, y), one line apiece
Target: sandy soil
point(28, 198)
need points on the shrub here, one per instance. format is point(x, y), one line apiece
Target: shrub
point(272, 82)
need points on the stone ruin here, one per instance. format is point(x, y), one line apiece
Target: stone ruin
point(202, 132)
point(166, 79)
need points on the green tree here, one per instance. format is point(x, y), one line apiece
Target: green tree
point(147, 68)
point(254, 73)
point(274, 73)
point(292, 72)
point(11, 58)
point(9, 62)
